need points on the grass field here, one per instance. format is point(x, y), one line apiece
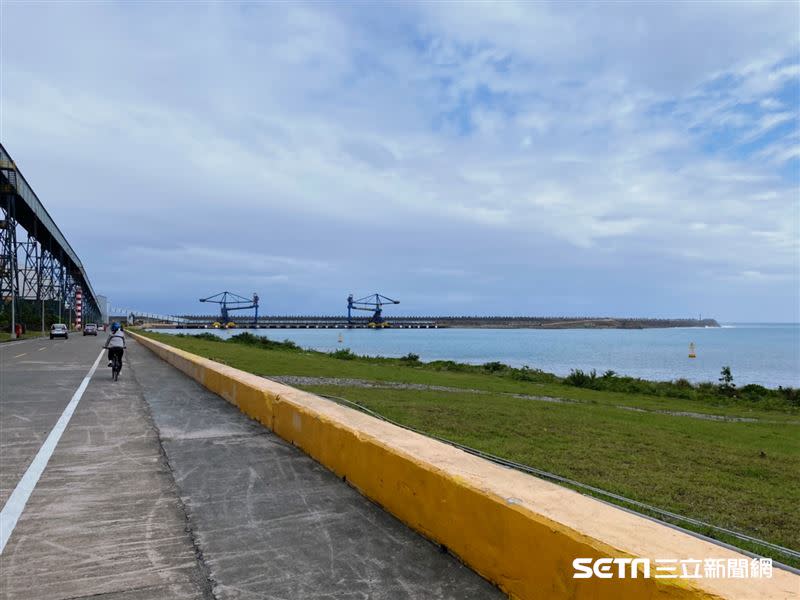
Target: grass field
point(665, 451)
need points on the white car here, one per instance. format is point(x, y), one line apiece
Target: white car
point(59, 330)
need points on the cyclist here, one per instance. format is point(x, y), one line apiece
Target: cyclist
point(115, 343)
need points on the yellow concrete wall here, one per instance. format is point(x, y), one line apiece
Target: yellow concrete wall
point(517, 531)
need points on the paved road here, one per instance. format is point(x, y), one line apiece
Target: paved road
point(37, 379)
point(160, 489)
point(104, 519)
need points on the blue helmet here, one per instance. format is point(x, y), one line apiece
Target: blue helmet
point(115, 326)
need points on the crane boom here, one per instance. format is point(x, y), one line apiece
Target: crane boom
point(372, 303)
point(229, 301)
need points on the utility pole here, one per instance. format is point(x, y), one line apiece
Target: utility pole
point(14, 283)
point(60, 291)
point(13, 233)
point(13, 306)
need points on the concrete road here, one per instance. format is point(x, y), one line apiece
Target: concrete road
point(37, 379)
point(104, 519)
point(160, 489)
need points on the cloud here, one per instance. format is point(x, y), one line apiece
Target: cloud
point(219, 260)
point(236, 138)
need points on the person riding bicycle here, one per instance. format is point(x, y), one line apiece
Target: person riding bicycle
point(115, 343)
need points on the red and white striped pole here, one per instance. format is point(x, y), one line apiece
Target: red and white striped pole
point(78, 307)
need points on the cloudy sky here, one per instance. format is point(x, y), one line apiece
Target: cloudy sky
point(477, 158)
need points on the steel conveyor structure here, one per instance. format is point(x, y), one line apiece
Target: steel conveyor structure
point(37, 262)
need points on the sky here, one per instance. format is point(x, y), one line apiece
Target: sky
point(508, 158)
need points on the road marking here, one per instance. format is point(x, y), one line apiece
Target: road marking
point(19, 497)
point(40, 349)
point(18, 355)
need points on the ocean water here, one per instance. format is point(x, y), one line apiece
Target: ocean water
point(767, 354)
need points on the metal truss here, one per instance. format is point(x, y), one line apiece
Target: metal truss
point(33, 271)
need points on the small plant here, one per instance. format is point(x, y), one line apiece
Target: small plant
point(726, 385)
point(410, 358)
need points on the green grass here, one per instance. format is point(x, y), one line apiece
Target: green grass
point(280, 361)
point(705, 469)
point(742, 476)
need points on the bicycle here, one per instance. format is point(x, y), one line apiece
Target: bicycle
point(116, 364)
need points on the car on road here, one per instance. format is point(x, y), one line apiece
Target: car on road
point(90, 329)
point(59, 330)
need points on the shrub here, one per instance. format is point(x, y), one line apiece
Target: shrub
point(536, 375)
point(449, 365)
point(578, 378)
point(249, 339)
point(410, 358)
point(246, 338)
point(494, 367)
point(791, 395)
point(210, 337)
point(753, 392)
point(344, 354)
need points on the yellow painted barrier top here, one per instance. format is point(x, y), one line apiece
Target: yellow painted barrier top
point(520, 532)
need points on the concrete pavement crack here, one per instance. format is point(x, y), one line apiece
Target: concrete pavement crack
point(208, 583)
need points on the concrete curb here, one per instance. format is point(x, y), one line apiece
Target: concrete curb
point(517, 531)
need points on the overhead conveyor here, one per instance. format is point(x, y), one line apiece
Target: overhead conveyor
point(36, 260)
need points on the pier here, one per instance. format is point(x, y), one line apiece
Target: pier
point(423, 322)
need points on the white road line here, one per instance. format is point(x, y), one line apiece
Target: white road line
point(19, 497)
point(18, 355)
point(40, 349)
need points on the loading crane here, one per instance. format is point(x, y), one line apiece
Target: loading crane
point(372, 303)
point(229, 301)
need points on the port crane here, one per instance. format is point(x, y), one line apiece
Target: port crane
point(229, 301)
point(372, 303)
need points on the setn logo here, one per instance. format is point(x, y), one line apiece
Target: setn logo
point(604, 568)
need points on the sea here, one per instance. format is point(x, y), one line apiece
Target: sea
point(763, 353)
